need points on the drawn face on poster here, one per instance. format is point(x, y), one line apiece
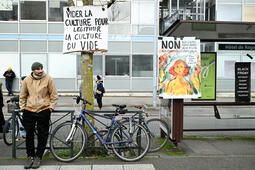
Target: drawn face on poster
point(179, 68)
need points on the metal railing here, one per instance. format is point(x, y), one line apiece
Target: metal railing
point(14, 113)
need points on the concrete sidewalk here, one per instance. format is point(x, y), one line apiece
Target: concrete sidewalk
point(86, 167)
point(207, 153)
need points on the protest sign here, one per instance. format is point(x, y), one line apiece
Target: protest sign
point(179, 67)
point(6, 5)
point(85, 29)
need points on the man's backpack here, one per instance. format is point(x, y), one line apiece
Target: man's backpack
point(103, 90)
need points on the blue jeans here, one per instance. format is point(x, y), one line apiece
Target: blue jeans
point(8, 85)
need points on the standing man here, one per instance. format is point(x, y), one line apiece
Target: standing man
point(9, 76)
point(38, 98)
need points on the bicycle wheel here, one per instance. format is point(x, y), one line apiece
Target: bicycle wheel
point(67, 151)
point(158, 140)
point(136, 148)
point(7, 131)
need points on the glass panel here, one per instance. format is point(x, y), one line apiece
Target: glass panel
point(119, 11)
point(226, 64)
point(29, 10)
point(55, 46)
point(62, 65)
point(9, 60)
point(8, 27)
point(143, 30)
point(8, 10)
point(249, 1)
point(8, 46)
point(56, 9)
point(33, 28)
point(229, 13)
point(249, 13)
point(117, 65)
point(140, 14)
point(122, 46)
point(147, 84)
point(247, 59)
point(117, 83)
point(142, 65)
point(65, 84)
point(229, 1)
point(143, 47)
point(97, 65)
point(56, 28)
point(33, 46)
point(28, 59)
point(119, 29)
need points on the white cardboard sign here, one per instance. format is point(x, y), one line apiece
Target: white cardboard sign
point(85, 29)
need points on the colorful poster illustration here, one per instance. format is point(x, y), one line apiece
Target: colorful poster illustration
point(179, 67)
point(208, 76)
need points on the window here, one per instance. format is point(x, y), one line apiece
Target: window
point(62, 65)
point(8, 10)
point(9, 60)
point(117, 65)
point(142, 65)
point(229, 13)
point(97, 65)
point(56, 9)
point(28, 59)
point(33, 9)
point(249, 13)
point(143, 12)
point(119, 11)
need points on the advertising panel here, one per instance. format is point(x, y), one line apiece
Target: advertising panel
point(208, 76)
point(179, 67)
point(243, 81)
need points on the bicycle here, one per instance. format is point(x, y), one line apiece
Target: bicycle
point(19, 129)
point(129, 142)
point(158, 129)
point(20, 132)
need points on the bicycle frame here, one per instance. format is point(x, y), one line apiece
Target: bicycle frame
point(112, 124)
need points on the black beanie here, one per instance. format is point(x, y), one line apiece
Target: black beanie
point(36, 66)
point(98, 77)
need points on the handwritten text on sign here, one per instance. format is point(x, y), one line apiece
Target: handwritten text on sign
point(85, 29)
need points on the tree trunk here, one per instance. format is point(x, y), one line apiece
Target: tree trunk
point(87, 78)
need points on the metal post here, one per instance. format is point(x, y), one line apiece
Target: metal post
point(155, 65)
point(13, 134)
point(177, 120)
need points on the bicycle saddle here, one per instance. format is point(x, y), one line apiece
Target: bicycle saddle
point(121, 106)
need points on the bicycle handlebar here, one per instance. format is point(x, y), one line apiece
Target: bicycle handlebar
point(78, 99)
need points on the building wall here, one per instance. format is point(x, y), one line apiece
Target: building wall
point(27, 36)
point(241, 11)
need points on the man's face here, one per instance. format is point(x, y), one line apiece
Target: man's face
point(38, 72)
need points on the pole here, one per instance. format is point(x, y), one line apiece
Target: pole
point(155, 61)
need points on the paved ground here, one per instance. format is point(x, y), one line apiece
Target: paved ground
point(208, 151)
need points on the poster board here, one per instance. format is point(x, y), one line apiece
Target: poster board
point(85, 29)
point(179, 67)
point(242, 81)
point(208, 75)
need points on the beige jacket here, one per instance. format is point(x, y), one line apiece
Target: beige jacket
point(38, 94)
